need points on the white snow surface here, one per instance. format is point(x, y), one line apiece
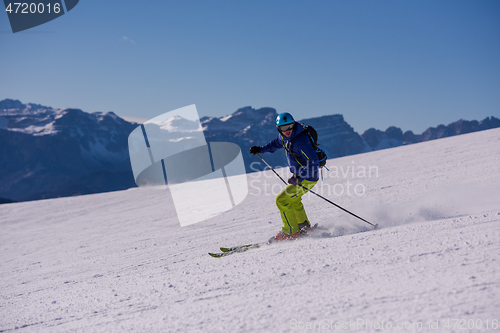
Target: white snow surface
point(119, 262)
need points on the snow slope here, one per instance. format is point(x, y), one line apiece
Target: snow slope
point(119, 261)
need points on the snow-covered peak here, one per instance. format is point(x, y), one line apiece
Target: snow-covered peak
point(177, 124)
point(15, 107)
point(239, 120)
point(37, 120)
point(248, 115)
point(43, 127)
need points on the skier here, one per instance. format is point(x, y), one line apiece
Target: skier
point(304, 163)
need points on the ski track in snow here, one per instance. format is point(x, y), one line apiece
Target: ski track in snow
point(119, 261)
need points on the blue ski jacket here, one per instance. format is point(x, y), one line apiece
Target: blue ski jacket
point(302, 159)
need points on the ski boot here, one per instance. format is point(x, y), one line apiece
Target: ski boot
point(304, 228)
point(281, 236)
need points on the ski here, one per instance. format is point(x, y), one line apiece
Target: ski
point(241, 247)
point(235, 249)
point(226, 251)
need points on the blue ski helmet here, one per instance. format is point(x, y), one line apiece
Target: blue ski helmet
point(284, 119)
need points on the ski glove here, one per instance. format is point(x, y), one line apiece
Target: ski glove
point(295, 180)
point(255, 150)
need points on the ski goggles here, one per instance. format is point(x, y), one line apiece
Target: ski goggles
point(287, 127)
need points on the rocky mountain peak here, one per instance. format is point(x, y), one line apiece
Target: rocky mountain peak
point(15, 107)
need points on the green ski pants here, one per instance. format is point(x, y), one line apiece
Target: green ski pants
point(289, 202)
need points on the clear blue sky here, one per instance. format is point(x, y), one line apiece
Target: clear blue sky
point(412, 64)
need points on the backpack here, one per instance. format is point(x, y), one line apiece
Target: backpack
point(313, 137)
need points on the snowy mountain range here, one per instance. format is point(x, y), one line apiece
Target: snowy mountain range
point(49, 153)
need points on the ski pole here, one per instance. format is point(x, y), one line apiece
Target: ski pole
point(270, 167)
point(375, 226)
